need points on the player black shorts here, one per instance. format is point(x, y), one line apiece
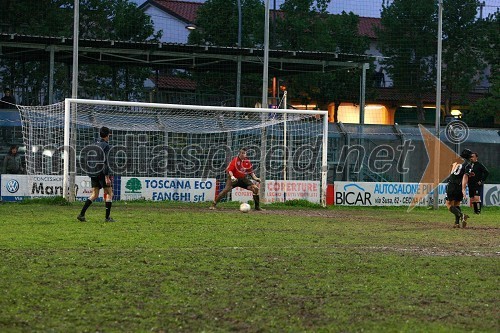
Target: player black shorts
point(243, 183)
point(99, 181)
point(454, 192)
point(473, 190)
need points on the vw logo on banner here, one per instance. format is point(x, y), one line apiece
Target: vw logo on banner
point(12, 186)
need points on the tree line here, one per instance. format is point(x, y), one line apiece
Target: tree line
point(407, 38)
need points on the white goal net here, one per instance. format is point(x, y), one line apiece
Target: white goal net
point(176, 141)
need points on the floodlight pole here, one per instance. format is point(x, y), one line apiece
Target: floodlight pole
point(362, 95)
point(438, 103)
point(265, 83)
point(76, 34)
point(51, 74)
point(265, 74)
point(238, 76)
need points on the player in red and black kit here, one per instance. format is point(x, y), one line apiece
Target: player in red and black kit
point(477, 175)
point(455, 190)
point(237, 176)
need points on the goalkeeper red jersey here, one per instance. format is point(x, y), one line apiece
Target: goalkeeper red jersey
point(240, 168)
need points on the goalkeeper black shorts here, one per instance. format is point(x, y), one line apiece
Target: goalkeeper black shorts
point(242, 182)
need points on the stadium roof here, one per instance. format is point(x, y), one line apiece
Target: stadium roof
point(171, 55)
point(179, 56)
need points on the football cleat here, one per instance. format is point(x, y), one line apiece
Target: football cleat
point(81, 218)
point(464, 220)
point(456, 225)
point(109, 219)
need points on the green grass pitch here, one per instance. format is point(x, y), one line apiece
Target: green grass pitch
point(171, 267)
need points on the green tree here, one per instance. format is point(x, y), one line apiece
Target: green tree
point(305, 25)
point(27, 17)
point(408, 41)
point(217, 24)
point(486, 111)
point(464, 50)
point(99, 19)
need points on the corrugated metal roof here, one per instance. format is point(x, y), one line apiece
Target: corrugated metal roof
point(172, 54)
point(395, 95)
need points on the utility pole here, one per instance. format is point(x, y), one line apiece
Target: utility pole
point(265, 74)
point(481, 6)
point(76, 34)
point(438, 103)
point(238, 74)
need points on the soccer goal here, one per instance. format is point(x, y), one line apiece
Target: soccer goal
point(288, 148)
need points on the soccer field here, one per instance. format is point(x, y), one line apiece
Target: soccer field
point(171, 267)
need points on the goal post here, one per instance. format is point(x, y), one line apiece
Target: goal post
point(178, 141)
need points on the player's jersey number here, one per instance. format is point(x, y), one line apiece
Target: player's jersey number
point(457, 169)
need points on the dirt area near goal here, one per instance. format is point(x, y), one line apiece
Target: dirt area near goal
point(393, 224)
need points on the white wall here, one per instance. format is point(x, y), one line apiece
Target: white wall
point(373, 51)
point(174, 30)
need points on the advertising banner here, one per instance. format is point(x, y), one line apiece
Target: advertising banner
point(241, 194)
point(20, 187)
point(387, 194)
point(161, 189)
point(294, 189)
point(276, 189)
point(491, 195)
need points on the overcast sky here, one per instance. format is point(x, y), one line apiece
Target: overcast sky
point(368, 8)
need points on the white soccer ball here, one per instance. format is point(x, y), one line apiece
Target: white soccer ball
point(244, 207)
